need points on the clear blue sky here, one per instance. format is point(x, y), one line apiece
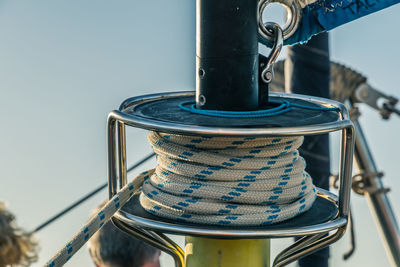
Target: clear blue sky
point(65, 64)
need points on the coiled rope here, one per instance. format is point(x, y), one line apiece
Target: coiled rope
point(226, 180)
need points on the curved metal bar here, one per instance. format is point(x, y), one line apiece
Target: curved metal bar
point(164, 240)
point(167, 248)
point(302, 242)
point(198, 130)
point(111, 156)
point(304, 250)
point(171, 242)
point(306, 240)
point(122, 154)
point(230, 233)
point(345, 171)
point(127, 107)
point(139, 222)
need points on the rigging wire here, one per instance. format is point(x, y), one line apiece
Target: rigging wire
point(87, 196)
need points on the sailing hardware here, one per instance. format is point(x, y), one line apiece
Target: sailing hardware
point(385, 104)
point(293, 18)
point(267, 73)
point(227, 80)
point(142, 112)
point(327, 214)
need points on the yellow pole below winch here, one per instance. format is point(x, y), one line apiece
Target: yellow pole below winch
point(208, 252)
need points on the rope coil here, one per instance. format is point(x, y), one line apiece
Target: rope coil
point(226, 180)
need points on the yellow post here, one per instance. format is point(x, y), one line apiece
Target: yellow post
point(207, 252)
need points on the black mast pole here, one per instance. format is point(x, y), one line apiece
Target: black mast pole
point(227, 55)
point(227, 79)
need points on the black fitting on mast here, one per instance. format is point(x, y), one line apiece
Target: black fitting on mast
point(227, 55)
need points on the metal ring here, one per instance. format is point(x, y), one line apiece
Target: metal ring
point(293, 18)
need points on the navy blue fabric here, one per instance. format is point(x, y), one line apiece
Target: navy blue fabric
point(307, 71)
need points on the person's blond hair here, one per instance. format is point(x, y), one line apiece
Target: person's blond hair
point(17, 247)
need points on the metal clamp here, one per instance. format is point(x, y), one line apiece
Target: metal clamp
point(372, 97)
point(360, 184)
point(293, 18)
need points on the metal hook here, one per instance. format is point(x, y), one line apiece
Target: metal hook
point(268, 73)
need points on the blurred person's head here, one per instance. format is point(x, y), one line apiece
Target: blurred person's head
point(17, 247)
point(111, 247)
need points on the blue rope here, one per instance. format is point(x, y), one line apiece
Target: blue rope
point(284, 106)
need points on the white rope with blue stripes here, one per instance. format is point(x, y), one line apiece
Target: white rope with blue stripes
point(97, 221)
point(226, 180)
